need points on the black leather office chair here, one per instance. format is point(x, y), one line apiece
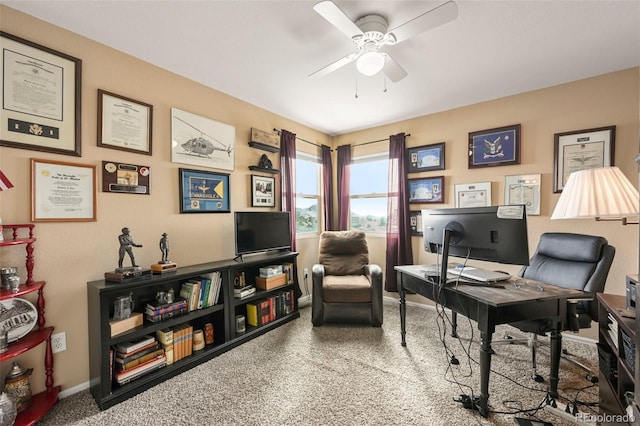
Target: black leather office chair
point(579, 262)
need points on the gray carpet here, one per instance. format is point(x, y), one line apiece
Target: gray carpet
point(342, 375)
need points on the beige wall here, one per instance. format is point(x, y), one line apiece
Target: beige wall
point(70, 254)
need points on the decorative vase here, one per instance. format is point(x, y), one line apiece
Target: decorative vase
point(17, 385)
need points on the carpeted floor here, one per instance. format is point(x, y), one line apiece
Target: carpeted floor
point(344, 375)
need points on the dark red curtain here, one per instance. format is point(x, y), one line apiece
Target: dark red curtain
point(344, 161)
point(399, 251)
point(327, 187)
point(288, 178)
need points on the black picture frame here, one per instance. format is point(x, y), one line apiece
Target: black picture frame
point(499, 146)
point(426, 190)
point(263, 191)
point(415, 223)
point(204, 192)
point(425, 158)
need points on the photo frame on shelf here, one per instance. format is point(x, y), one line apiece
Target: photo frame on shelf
point(426, 190)
point(581, 150)
point(495, 147)
point(415, 223)
point(425, 158)
point(63, 192)
point(41, 97)
point(124, 123)
point(473, 194)
point(204, 192)
point(523, 189)
point(201, 141)
point(263, 191)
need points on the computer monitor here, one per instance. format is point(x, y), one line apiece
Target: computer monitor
point(493, 234)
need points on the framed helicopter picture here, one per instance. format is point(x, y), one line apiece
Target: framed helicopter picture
point(201, 141)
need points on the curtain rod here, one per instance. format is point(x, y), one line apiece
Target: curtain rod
point(379, 140)
point(300, 139)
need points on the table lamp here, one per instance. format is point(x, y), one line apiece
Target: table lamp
point(603, 193)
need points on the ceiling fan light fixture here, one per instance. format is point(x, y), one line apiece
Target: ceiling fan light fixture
point(370, 63)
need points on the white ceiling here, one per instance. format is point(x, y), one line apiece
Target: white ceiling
point(262, 51)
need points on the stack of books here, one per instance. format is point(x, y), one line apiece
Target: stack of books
point(244, 292)
point(182, 341)
point(157, 313)
point(165, 338)
point(136, 358)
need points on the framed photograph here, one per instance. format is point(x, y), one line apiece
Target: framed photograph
point(415, 223)
point(495, 147)
point(204, 192)
point(125, 178)
point(263, 191)
point(424, 158)
point(124, 123)
point(41, 97)
point(523, 189)
point(426, 190)
point(473, 194)
point(63, 192)
point(200, 141)
point(581, 150)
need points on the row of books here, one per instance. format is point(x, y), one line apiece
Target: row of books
point(136, 358)
point(178, 340)
point(157, 313)
point(203, 292)
point(613, 329)
point(264, 311)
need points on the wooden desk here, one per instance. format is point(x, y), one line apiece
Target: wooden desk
point(491, 306)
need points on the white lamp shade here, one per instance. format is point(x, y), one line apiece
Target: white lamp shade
point(370, 63)
point(601, 192)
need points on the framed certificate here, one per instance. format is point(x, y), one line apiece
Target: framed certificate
point(581, 150)
point(473, 194)
point(40, 98)
point(124, 123)
point(523, 189)
point(63, 192)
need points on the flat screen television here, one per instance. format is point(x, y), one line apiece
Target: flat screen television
point(492, 234)
point(262, 231)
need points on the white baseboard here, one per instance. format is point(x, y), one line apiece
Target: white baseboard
point(304, 301)
point(71, 391)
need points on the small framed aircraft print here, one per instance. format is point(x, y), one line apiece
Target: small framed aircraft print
point(200, 141)
point(204, 192)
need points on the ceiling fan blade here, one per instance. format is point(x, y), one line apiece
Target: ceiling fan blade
point(392, 70)
point(437, 16)
point(329, 11)
point(334, 66)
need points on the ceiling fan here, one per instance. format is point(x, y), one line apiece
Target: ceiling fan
point(369, 34)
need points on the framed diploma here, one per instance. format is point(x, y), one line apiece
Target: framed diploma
point(40, 98)
point(62, 192)
point(581, 150)
point(523, 189)
point(124, 123)
point(473, 194)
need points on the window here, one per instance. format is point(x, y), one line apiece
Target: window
point(307, 193)
point(368, 191)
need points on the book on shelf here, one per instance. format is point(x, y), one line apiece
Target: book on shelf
point(123, 377)
point(169, 307)
point(206, 285)
point(252, 313)
point(168, 352)
point(166, 315)
point(287, 268)
point(121, 358)
point(241, 293)
point(165, 336)
point(135, 344)
point(139, 360)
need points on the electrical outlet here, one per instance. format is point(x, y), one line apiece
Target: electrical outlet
point(306, 272)
point(59, 342)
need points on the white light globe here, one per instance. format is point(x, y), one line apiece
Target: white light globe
point(370, 63)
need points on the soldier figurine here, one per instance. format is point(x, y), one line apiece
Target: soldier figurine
point(164, 248)
point(126, 244)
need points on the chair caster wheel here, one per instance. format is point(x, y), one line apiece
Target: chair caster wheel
point(538, 378)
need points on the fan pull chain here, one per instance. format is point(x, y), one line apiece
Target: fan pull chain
point(356, 83)
point(384, 82)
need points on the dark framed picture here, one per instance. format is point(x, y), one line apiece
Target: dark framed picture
point(204, 192)
point(495, 147)
point(263, 191)
point(426, 190)
point(415, 223)
point(581, 150)
point(41, 97)
point(125, 178)
point(426, 157)
point(124, 123)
